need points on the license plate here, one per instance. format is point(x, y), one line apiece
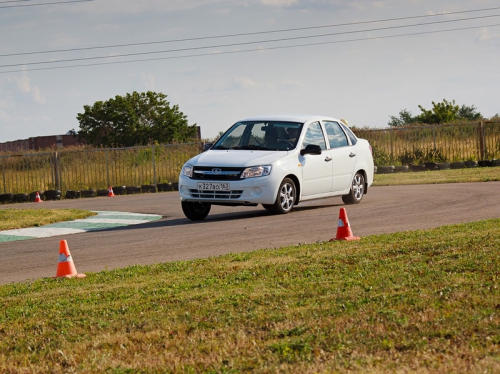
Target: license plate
point(213, 186)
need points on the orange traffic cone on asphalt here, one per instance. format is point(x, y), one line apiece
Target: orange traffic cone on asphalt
point(344, 231)
point(66, 267)
point(110, 192)
point(37, 198)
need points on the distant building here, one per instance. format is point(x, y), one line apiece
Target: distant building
point(41, 142)
point(52, 141)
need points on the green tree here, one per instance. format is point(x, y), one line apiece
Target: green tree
point(445, 111)
point(469, 112)
point(404, 118)
point(134, 119)
point(441, 112)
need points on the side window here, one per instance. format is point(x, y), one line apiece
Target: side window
point(335, 134)
point(314, 135)
point(350, 134)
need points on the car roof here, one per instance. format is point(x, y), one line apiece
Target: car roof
point(291, 118)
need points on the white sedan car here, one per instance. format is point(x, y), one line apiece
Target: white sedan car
point(278, 162)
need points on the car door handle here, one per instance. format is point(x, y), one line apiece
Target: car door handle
point(352, 154)
point(327, 158)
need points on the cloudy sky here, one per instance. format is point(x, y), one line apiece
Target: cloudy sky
point(364, 81)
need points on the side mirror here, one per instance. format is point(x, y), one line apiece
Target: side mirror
point(311, 149)
point(207, 146)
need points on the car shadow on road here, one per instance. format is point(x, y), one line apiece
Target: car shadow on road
point(319, 206)
point(219, 217)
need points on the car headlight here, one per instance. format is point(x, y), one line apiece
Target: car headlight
point(187, 170)
point(256, 171)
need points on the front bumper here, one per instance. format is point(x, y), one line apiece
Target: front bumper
point(260, 190)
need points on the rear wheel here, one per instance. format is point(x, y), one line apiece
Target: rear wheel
point(357, 191)
point(195, 211)
point(285, 199)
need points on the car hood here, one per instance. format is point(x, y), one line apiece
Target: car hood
point(236, 157)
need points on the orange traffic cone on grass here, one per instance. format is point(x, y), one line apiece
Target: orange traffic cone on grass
point(110, 192)
point(66, 267)
point(37, 198)
point(344, 231)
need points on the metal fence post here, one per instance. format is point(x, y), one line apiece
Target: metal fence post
point(3, 176)
point(57, 172)
point(482, 142)
point(434, 136)
point(153, 161)
point(392, 144)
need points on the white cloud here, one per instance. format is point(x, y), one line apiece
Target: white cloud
point(223, 11)
point(220, 84)
point(135, 7)
point(279, 2)
point(149, 81)
point(25, 86)
point(488, 34)
point(484, 34)
point(4, 116)
point(35, 91)
point(362, 5)
point(244, 82)
point(379, 4)
point(292, 84)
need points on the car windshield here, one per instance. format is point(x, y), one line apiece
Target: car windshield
point(261, 136)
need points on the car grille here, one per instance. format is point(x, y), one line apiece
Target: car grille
point(222, 195)
point(216, 173)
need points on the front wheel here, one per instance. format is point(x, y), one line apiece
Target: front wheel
point(195, 211)
point(285, 199)
point(357, 191)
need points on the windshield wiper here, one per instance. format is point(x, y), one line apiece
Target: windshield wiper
point(220, 148)
point(253, 148)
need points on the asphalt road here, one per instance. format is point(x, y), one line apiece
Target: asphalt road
point(384, 210)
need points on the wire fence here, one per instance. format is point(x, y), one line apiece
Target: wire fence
point(434, 143)
point(87, 169)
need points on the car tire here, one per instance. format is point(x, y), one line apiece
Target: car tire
point(195, 211)
point(357, 191)
point(285, 199)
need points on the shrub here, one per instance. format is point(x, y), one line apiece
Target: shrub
point(420, 156)
point(380, 157)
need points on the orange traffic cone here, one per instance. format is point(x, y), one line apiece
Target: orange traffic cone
point(66, 267)
point(110, 192)
point(37, 198)
point(344, 231)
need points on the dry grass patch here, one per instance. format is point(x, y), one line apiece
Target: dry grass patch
point(485, 174)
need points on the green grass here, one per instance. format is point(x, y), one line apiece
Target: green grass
point(415, 301)
point(485, 174)
point(19, 218)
